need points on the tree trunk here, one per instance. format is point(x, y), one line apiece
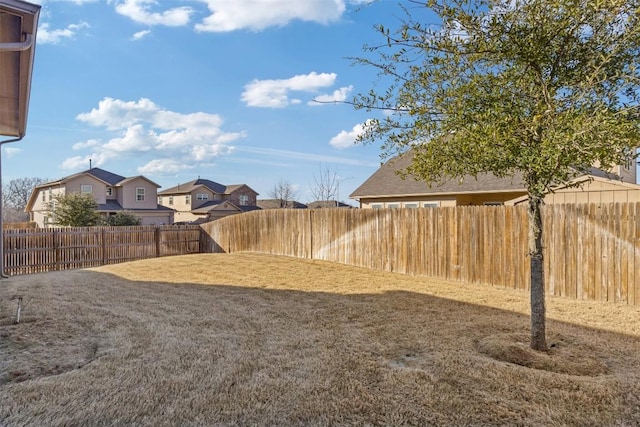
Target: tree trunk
point(538, 316)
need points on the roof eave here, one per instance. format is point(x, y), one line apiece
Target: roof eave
point(16, 60)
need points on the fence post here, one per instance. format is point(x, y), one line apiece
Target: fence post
point(311, 217)
point(56, 249)
point(104, 247)
point(157, 239)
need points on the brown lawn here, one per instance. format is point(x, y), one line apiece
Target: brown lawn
point(252, 339)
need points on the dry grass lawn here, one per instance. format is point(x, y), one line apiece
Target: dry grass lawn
point(250, 339)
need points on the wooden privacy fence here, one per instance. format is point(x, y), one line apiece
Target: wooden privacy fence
point(591, 251)
point(29, 251)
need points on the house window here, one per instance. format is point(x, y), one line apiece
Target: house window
point(139, 194)
point(376, 206)
point(410, 205)
point(244, 200)
point(44, 196)
point(393, 205)
point(50, 195)
point(159, 200)
point(187, 199)
point(87, 189)
point(430, 205)
point(170, 200)
point(109, 191)
point(202, 196)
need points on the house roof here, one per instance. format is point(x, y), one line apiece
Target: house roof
point(323, 204)
point(101, 174)
point(275, 204)
point(114, 206)
point(206, 207)
point(105, 176)
point(222, 204)
point(188, 187)
point(387, 182)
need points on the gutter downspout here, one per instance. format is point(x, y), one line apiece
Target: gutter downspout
point(18, 46)
point(13, 47)
point(2, 273)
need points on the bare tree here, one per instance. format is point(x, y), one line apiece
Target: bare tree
point(326, 186)
point(283, 191)
point(15, 196)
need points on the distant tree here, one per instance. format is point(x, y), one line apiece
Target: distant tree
point(123, 218)
point(544, 88)
point(15, 196)
point(75, 210)
point(283, 191)
point(326, 184)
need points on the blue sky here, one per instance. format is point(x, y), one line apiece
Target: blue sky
point(221, 89)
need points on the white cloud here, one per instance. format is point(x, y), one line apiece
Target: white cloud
point(139, 11)
point(230, 15)
point(346, 139)
point(339, 95)
point(82, 162)
point(305, 156)
point(90, 143)
point(49, 36)
point(163, 167)
point(275, 93)
point(140, 34)
point(144, 129)
point(11, 151)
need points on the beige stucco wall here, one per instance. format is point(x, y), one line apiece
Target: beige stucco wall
point(49, 193)
point(126, 195)
point(155, 218)
point(244, 190)
point(185, 216)
point(439, 201)
point(99, 189)
point(195, 203)
point(595, 192)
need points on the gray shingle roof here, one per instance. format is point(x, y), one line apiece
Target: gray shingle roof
point(324, 204)
point(275, 204)
point(386, 182)
point(188, 187)
point(103, 175)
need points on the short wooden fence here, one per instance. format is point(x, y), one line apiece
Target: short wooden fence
point(29, 251)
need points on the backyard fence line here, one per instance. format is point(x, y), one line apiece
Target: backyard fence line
point(28, 251)
point(591, 252)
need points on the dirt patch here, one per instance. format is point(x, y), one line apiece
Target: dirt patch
point(31, 350)
point(566, 355)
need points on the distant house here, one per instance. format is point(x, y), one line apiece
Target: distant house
point(204, 200)
point(280, 204)
point(326, 204)
point(113, 193)
point(386, 189)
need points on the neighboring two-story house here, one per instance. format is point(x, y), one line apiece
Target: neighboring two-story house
point(113, 193)
point(204, 200)
point(386, 189)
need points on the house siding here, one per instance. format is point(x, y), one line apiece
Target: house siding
point(98, 190)
point(127, 195)
point(439, 200)
point(594, 192)
point(243, 191)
